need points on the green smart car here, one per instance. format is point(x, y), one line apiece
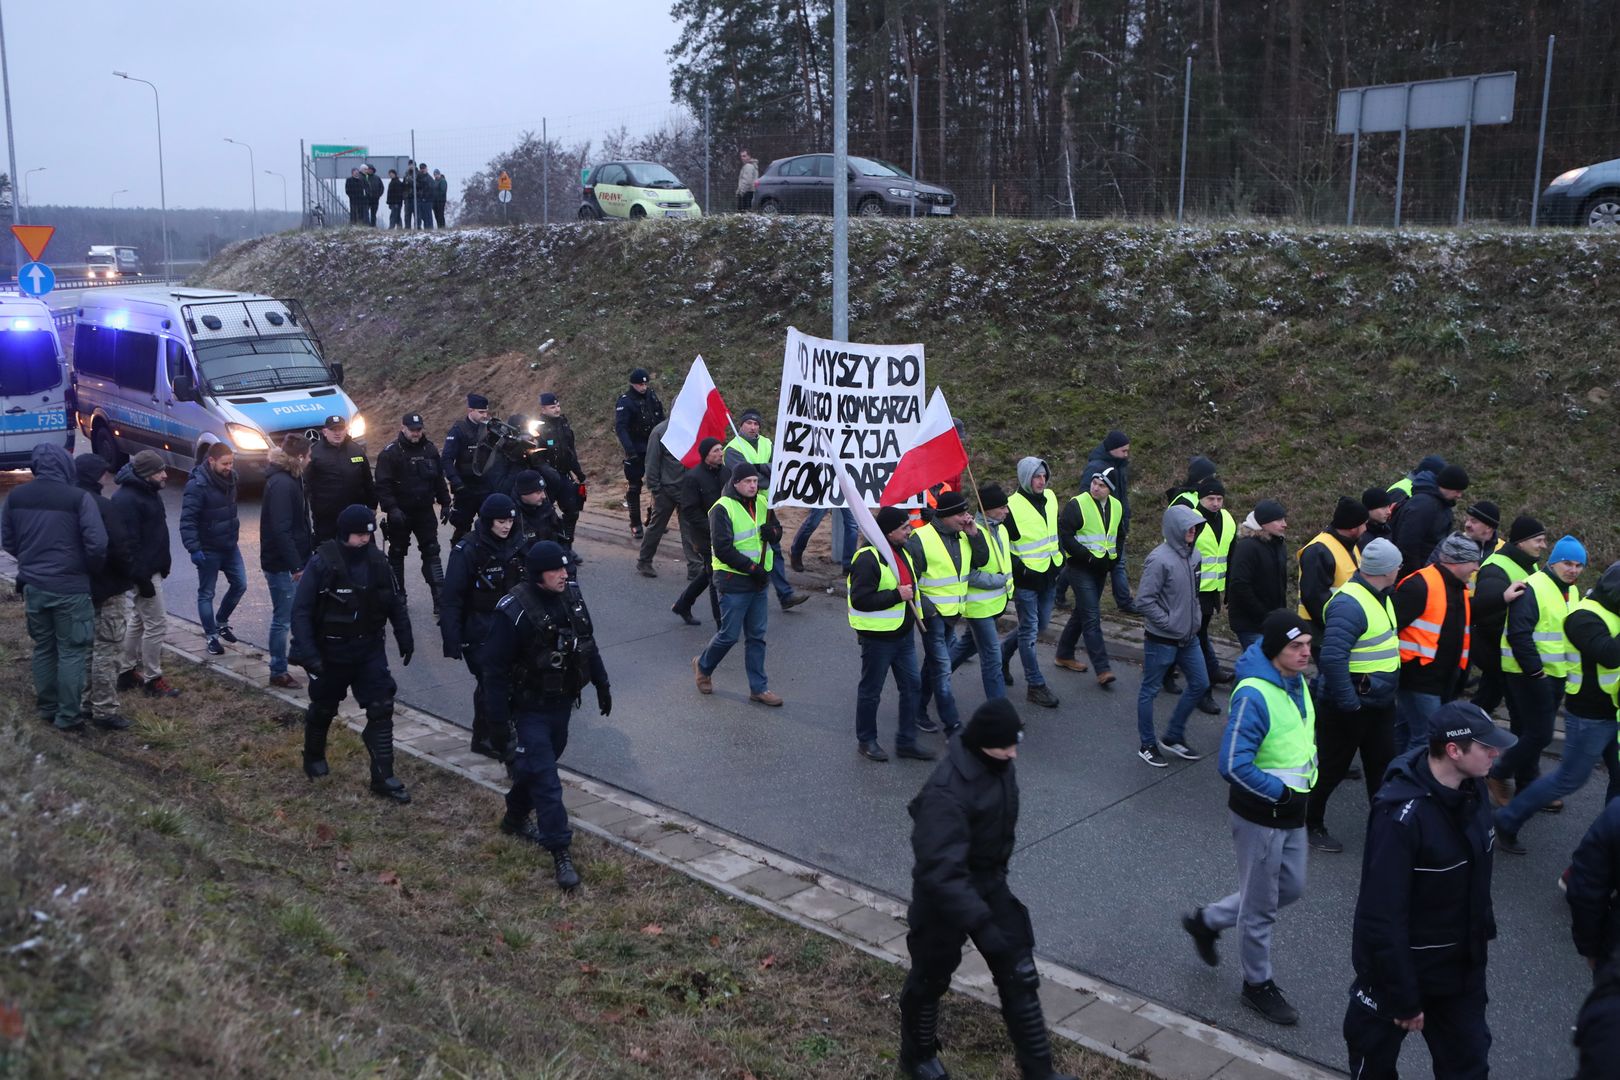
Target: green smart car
point(635, 189)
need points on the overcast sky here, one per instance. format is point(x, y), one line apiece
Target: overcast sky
point(468, 75)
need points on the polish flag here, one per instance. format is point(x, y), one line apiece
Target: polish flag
point(698, 414)
point(856, 505)
point(937, 455)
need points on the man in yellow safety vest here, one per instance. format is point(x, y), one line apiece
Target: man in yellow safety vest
point(1037, 559)
point(741, 561)
point(989, 587)
point(883, 613)
point(942, 552)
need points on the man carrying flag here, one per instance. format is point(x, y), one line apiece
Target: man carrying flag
point(882, 589)
point(698, 413)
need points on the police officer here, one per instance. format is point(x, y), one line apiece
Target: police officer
point(483, 566)
point(338, 475)
point(636, 414)
point(556, 437)
point(410, 479)
point(541, 653)
point(538, 516)
point(345, 597)
point(466, 484)
point(963, 822)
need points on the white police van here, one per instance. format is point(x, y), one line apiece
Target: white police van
point(33, 381)
point(177, 369)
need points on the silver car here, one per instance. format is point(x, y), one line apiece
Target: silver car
point(1588, 196)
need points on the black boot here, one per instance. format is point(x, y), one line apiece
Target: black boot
point(396, 563)
point(919, 1040)
point(567, 876)
point(433, 571)
point(317, 721)
point(1026, 1024)
point(379, 739)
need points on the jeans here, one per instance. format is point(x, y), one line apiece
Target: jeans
point(938, 644)
point(208, 577)
point(742, 614)
point(845, 520)
point(779, 581)
point(281, 586)
point(1271, 875)
point(1585, 742)
point(981, 639)
point(1121, 584)
point(1034, 613)
point(1533, 704)
point(1245, 640)
point(1412, 712)
point(1086, 621)
point(879, 656)
point(1157, 657)
point(63, 628)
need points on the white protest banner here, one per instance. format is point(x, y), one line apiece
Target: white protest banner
point(842, 402)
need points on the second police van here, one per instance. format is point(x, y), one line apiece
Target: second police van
point(177, 369)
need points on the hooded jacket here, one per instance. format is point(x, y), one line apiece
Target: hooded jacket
point(740, 575)
point(117, 574)
point(1591, 639)
point(208, 520)
point(1167, 594)
point(285, 541)
point(1424, 914)
point(1490, 610)
point(1422, 522)
point(1256, 581)
point(1099, 460)
point(143, 507)
point(1344, 622)
point(1594, 877)
point(1023, 576)
point(52, 527)
point(1255, 795)
point(963, 829)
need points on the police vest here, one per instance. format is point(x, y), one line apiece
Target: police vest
point(745, 535)
point(1346, 558)
point(494, 571)
point(1552, 607)
point(1608, 677)
point(1376, 650)
point(754, 455)
point(988, 603)
point(1212, 567)
point(1102, 540)
point(942, 581)
point(892, 617)
point(345, 610)
point(1037, 544)
point(1288, 751)
point(556, 661)
point(1420, 638)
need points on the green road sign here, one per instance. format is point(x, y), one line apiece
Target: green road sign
point(322, 150)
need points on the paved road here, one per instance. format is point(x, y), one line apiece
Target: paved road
point(1112, 850)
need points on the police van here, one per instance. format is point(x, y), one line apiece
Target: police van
point(177, 369)
point(33, 381)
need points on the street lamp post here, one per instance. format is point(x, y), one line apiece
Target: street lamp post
point(253, 181)
point(11, 146)
point(112, 203)
point(163, 194)
point(28, 199)
point(283, 179)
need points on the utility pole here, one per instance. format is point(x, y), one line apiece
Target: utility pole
point(840, 177)
point(11, 148)
point(707, 153)
point(1186, 112)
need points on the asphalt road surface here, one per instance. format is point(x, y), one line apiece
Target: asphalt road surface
point(1112, 851)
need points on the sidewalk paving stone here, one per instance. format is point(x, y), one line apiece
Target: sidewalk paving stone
point(820, 904)
point(771, 883)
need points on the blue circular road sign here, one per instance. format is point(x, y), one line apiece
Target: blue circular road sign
point(35, 278)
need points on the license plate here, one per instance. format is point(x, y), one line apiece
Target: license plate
point(674, 213)
point(939, 210)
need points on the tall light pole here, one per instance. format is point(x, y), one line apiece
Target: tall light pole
point(253, 181)
point(11, 146)
point(283, 180)
point(840, 189)
point(163, 193)
point(112, 204)
point(27, 199)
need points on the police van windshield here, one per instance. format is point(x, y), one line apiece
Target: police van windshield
point(27, 362)
point(289, 362)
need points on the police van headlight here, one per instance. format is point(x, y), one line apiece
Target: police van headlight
point(357, 426)
point(245, 438)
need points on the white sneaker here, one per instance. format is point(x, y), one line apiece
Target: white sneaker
point(1150, 755)
point(1181, 750)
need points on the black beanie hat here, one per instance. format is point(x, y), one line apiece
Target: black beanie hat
point(1348, 514)
point(994, 726)
point(355, 519)
point(528, 482)
point(1486, 511)
point(991, 496)
point(543, 556)
point(890, 518)
point(706, 445)
point(1114, 440)
point(1454, 477)
point(743, 471)
point(1278, 629)
point(1523, 528)
point(1376, 498)
point(1267, 511)
point(1211, 485)
point(497, 506)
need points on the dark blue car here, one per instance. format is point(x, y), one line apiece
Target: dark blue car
point(1588, 196)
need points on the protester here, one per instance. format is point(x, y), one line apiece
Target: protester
point(441, 197)
point(1329, 558)
point(883, 605)
point(396, 198)
point(1502, 580)
point(409, 480)
point(1257, 577)
point(1480, 522)
point(990, 584)
point(374, 194)
point(1433, 616)
point(1428, 516)
point(1114, 452)
point(108, 588)
point(843, 520)
point(354, 190)
point(1088, 533)
point(701, 487)
point(942, 554)
point(285, 545)
point(425, 192)
point(1215, 546)
point(1380, 505)
point(741, 563)
point(1032, 526)
point(750, 447)
point(1167, 598)
point(140, 485)
point(664, 473)
point(1402, 489)
point(209, 529)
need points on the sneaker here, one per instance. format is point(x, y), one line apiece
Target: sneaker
point(1267, 1000)
point(1040, 695)
point(110, 723)
point(1069, 663)
point(215, 648)
point(286, 681)
point(767, 697)
point(1509, 842)
point(928, 725)
point(645, 569)
point(1150, 754)
point(914, 752)
point(793, 600)
point(705, 684)
point(871, 751)
point(1105, 680)
point(1554, 807)
point(227, 633)
point(1321, 840)
point(160, 687)
point(1181, 750)
point(1171, 685)
point(1203, 937)
point(1563, 879)
point(1206, 704)
point(129, 680)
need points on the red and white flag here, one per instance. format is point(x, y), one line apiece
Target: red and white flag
point(937, 455)
point(869, 526)
point(698, 414)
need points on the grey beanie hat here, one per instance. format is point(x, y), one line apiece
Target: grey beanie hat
point(1380, 557)
point(1456, 549)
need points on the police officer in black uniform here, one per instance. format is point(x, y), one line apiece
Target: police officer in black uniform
point(468, 486)
point(557, 435)
point(409, 480)
point(337, 476)
point(538, 516)
point(540, 655)
point(347, 594)
point(634, 417)
point(483, 566)
point(962, 836)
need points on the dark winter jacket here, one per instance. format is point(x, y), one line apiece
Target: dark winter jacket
point(664, 469)
point(52, 527)
point(1594, 887)
point(1490, 610)
point(964, 822)
point(1344, 624)
point(556, 436)
point(208, 520)
point(117, 574)
point(701, 487)
point(1424, 915)
point(634, 417)
point(1256, 582)
point(741, 574)
point(396, 191)
point(460, 444)
point(1167, 594)
point(410, 477)
point(540, 521)
point(1588, 637)
point(1253, 794)
point(285, 540)
point(365, 566)
point(354, 189)
point(1422, 522)
point(1099, 460)
point(1441, 675)
point(336, 476)
point(1317, 567)
point(374, 186)
point(143, 504)
point(441, 190)
point(481, 568)
point(1077, 558)
point(865, 574)
point(1597, 1028)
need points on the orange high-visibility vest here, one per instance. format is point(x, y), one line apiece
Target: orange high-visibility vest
point(1420, 639)
point(916, 515)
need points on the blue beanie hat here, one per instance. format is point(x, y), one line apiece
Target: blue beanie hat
point(1568, 549)
point(355, 519)
point(497, 506)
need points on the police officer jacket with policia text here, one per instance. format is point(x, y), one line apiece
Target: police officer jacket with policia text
point(344, 599)
point(541, 651)
point(482, 568)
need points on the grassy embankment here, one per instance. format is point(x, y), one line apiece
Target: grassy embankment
point(1308, 363)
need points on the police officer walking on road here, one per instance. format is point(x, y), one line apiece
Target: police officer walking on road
point(345, 597)
point(636, 414)
point(538, 517)
point(410, 479)
point(962, 835)
point(466, 483)
point(541, 654)
point(484, 565)
point(337, 476)
point(556, 438)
